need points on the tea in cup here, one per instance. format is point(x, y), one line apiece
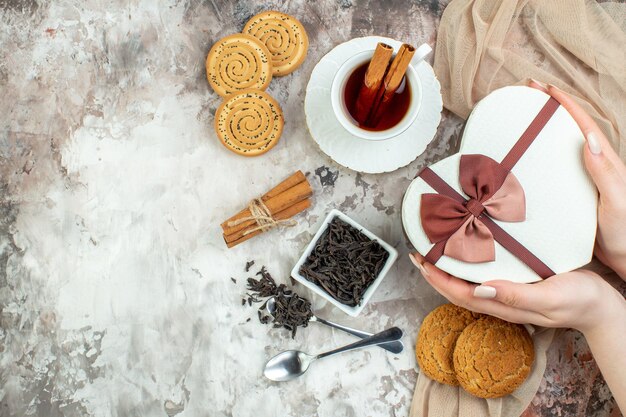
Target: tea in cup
point(400, 111)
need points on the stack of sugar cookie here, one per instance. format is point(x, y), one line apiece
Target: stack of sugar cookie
point(486, 356)
point(240, 67)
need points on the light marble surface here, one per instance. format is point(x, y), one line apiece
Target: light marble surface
point(115, 290)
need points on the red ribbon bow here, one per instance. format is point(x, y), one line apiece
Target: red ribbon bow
point(492, 191)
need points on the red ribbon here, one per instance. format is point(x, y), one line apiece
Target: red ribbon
point(463, 228)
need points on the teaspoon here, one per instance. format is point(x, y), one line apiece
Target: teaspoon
point(292, 363)
point(393, 347)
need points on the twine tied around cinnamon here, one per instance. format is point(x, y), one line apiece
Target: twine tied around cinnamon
point(263, 218)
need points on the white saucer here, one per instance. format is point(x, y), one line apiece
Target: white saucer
point(360, 154)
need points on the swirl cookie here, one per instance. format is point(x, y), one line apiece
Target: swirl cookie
point(249, 123)
point(238, 62)
point(492, 357)
point(284, 37)
point(437, 338)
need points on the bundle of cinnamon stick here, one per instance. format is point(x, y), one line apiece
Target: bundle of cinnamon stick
point(382, 78)
point(277, 206)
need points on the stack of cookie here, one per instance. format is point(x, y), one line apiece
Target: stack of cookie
point(240, 67)
point(486, 356)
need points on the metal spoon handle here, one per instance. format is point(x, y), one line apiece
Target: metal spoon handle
point(393, 347)
point(388, 335)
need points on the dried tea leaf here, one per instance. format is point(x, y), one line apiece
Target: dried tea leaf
point(292, 310)
point(344, 262)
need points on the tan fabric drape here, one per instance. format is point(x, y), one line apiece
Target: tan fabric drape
point(576, 45)
point(482, 45)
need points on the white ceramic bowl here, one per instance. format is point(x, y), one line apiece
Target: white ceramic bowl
point(352, 311)
point(341, 111)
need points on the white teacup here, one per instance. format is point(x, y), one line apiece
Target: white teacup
point(343, 115)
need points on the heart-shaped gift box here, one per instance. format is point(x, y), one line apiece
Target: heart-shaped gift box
point(515, 203)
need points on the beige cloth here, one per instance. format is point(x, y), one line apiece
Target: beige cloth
point(575, 45)
point(483, 45)
point(432, 399)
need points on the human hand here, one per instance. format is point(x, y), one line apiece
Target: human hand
point(608, 172)
point(579, 299)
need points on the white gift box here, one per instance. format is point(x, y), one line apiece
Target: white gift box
point(561, 200)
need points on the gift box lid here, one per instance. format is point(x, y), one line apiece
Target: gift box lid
point(560, 218)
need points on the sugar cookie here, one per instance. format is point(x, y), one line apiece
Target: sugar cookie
point(492, 357)
point(284, 37)
point(238, 62)
point(249, 123)
point(437, 338)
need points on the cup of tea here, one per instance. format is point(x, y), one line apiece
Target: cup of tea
point(397, 117)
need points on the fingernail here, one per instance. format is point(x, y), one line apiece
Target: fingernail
point(544, 85)
point(593, 143)
point(418, 265)
point(554, 86)
point(423, 270)
point(484, 291)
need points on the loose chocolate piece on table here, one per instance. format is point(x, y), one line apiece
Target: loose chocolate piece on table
point(292, 311)
point(344, 262)
point(249, 265)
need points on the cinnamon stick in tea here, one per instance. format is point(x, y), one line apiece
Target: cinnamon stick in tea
point(238, 237)
point(372, 82)
point(393, 80)
point(278, 203)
